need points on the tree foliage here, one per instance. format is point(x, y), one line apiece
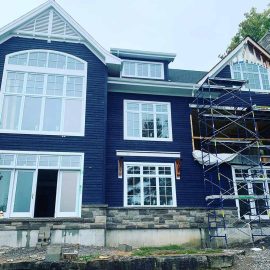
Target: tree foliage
point(255, 25)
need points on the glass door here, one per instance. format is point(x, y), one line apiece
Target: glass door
point(23, 193)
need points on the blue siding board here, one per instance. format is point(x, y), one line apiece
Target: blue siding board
point(190, 188)
point(225, 72)
point(93, 143)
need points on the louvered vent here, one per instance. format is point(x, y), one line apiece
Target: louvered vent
point(38, 25)
point(50, 23)
point(61, 27)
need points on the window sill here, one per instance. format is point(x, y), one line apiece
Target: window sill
point(41, 133)
point(148, 139)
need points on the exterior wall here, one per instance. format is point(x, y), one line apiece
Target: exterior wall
point(105, 226)
point(191, 172)
point(93, 143)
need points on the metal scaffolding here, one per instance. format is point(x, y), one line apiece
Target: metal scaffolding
point(228, 136)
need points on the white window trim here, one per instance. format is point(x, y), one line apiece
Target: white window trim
point(126, 164)
point(126, 137)
point(249, 183)
point(245, 88)
point(129, 153)
point(122, 75)
point(44, 70)
point(14, 168)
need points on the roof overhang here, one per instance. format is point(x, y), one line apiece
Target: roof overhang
point(145, 55)
point(248, 40)
point(106, 57)
point(139, 86)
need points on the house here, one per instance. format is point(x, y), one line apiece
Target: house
point(99, 148)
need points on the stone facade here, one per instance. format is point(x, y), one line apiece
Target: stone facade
point(160, 218)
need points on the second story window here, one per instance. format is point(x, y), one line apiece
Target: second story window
point(140, 69)
point(256, 75)
point(43, 92)
point(144, 120)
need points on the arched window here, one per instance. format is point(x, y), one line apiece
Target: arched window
point(43, 92)
point(257, 75)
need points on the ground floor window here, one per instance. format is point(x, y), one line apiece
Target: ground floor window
point(252, 188)
point(39, 184)
point(149, 184)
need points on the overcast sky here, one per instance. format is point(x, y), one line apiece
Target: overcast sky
point(196, 30)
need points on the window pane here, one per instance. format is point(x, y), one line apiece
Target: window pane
point(162, 126)
point(31, 113)
point(74, 64)
point(6, 159)
point(74, 86)
point(73, 115)
point(142, 69)
point(11, 112)
point(38, 59)
point(56, 61)
point(26, 160)
point(4, 189)
point(55, 85)
point(71, 161)
point(148, 125)
point(15, 82)
point(155, 70)
point(129, 68)
point(48, 161)
point(69, 187)
point(134, 191)
point(52, 114)
point(133, 106)
point(147, 107)
point(19, 59)
point(165, 191)
point(35, 83)
point(133, 124)
point(150, 192)
point(133, 169)
point(23, 192)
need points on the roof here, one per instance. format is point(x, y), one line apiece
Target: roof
point(144, 55)
point(11, 29)
point(265, 41)
point(220, 65)
point(185, 76)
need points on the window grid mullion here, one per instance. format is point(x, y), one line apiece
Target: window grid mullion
point(23, 94)
point(141, 184)
point(155, 121)
point(157, 186)
point(140, 120)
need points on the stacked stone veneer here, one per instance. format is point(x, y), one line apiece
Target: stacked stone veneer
point(160, 218)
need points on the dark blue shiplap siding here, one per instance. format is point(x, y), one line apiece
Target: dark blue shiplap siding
point(93, 143)
point(225, 72)
point(190, 189)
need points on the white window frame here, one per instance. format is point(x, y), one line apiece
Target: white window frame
point(12, 186)
point(172, 176)
point(136, 70)
point(249, 181)
point(246, 88)
point(141, 138)
point(45, 71)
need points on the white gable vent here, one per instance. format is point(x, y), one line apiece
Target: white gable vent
point(50, 24)
point(61, 27)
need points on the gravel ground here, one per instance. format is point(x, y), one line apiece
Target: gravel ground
point(38, 254)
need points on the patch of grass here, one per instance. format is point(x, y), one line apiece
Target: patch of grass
point(171, 250)
point(88, 258)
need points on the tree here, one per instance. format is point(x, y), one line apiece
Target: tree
point(256, 24)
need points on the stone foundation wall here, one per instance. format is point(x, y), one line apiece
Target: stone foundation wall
point(160, 218)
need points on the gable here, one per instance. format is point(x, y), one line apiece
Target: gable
point(248, 51)
point(50, 21)
point(50, 24)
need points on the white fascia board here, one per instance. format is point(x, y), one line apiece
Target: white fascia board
point(90, 42)
point(165, 84)
point(227, 59)
point(127, 153)
point(144, 54)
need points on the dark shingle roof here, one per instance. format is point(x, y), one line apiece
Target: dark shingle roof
point(185, 76)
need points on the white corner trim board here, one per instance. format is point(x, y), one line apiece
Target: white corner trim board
point(128, 153)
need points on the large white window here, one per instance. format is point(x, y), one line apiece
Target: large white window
point(252, 186)
point(43, 92)
point(21, 174)
point(141, 69)
point(149, 184)
point(145, 120)
point(256, 75)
